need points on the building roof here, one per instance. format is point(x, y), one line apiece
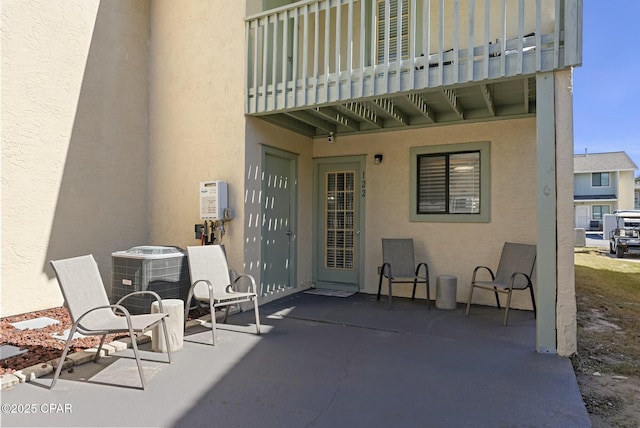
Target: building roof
point(603, 162)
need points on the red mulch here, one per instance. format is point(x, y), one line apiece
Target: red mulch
point(41, 346)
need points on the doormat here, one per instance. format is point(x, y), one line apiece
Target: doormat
point(331, 293)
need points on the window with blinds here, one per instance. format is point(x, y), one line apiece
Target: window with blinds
point(448, 183)
point(398, 17)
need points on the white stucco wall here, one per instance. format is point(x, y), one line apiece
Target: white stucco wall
point(452, 248)
point(74, 139)
point(566, 324)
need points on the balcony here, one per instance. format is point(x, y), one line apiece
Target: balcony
point(349, 66)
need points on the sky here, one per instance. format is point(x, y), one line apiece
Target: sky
point(606, 88)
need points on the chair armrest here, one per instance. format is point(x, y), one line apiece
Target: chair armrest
point(513, 277)
point(252, 283)
point(115, 307)
point(206, 281)
point(475, 271)
point(385, 270)
point(426, 270)
point(133, 293)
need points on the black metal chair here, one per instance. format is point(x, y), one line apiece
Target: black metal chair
point(514, 273)
point(399, 267)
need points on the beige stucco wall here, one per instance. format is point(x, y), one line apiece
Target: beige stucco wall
point(196, 116)
point(451, 248)
point(199, 132)
point(74, 139)
point(626, 189)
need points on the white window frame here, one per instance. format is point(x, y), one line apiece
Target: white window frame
point(484, 216)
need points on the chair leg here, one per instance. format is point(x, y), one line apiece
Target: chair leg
point(136, 353)
point(469, 300)
point(166, 338)
point(186, 308)
point(213, 321)
point(533, 302)
point(390, 294)
point(97, 357)
point(506, 309)
point(495, 291)
point(134, 345)
point(428, 295)
point(413, 294)
point(62, 358)
point(255, 309)
point(379, 286)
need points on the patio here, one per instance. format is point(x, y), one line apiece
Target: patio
point(326, 362)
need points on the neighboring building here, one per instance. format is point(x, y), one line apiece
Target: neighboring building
point(603, 183)
point(636, 194)
point(114, 111)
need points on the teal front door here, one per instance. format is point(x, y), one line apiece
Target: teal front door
point(278, 222)
point(339, 204)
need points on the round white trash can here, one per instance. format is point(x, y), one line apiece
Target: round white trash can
point(175, 325)
point(446, 290)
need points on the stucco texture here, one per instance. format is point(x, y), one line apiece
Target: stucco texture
point(566, 324)
point(74, 139)
point(196, 116)
point(448, 248)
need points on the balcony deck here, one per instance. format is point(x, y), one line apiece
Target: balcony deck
point(321, 66)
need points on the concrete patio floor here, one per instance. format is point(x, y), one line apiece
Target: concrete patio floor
point(324, 362)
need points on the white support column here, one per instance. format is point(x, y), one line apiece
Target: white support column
point(566, 324)
point(546, 262)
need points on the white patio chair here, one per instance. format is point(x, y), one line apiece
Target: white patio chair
point(91, 313)
point(514, 273)
point(399, 266)
point(210, 282)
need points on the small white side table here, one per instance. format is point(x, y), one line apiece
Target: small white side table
point(175, 325)
point(446, 290)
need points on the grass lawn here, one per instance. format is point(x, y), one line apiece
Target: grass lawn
point(608, 298)
point(607, 363)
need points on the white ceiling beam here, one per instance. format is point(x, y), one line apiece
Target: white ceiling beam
point(387, 106)
point(451, 97)
point(362, 112)
point(421, 105)
point(312, 120)
point(488, 99)
point(331, 115)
